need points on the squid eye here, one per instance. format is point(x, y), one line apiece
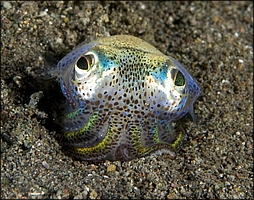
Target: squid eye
point(85, 62)
point(178, 77)
point(179, 80)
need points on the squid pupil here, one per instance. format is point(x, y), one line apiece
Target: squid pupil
point(82, 63)
point(179, 80)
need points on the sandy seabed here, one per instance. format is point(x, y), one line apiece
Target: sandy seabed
point(214, 40)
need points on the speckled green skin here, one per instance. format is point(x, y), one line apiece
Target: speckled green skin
point(123, 95)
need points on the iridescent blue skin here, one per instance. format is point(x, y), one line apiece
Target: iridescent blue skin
point(123, 95)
